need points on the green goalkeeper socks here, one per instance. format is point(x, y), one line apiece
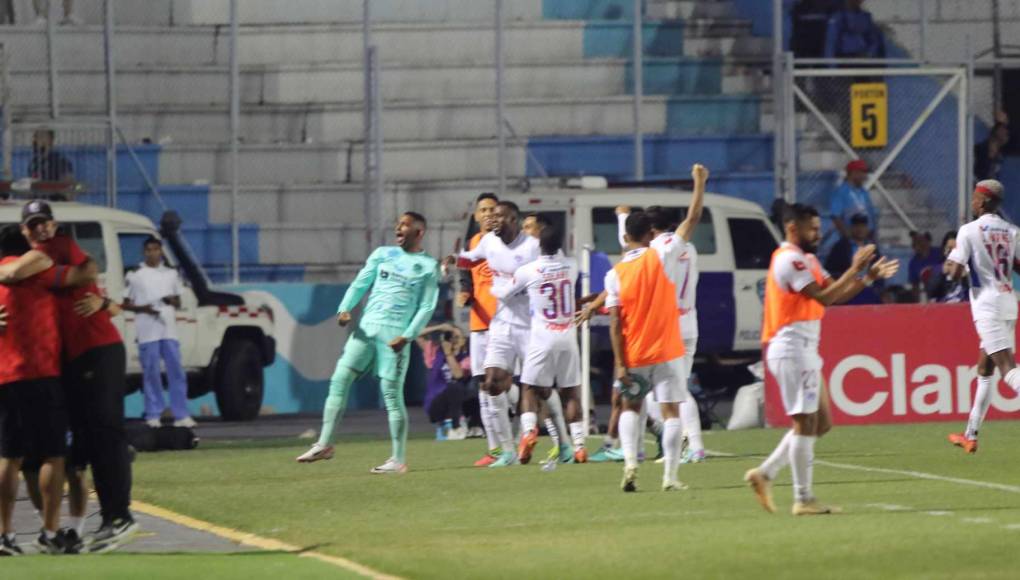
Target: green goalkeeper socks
point(336, 402)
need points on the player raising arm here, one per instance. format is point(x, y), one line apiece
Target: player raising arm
point(404, 283)
point(797, 290)
point(990, 245)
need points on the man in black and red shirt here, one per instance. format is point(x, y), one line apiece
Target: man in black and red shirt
point(94, 378)
point(33, 413)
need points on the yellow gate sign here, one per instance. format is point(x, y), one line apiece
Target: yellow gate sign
point(869, 115)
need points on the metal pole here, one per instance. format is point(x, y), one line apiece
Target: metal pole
point(790, 142)
point(500, 102)
point(997, 51)
point(637, 53)
point(586, 344)
point(967, 136)
point(111, 105)
point(235, 123)
point(6, 140)
point(923, 7)
point(778, 96)
point(377, 146)
point(369, 165)
point(51, 59)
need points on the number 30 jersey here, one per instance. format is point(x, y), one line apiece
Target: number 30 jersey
point(549, 283)
point(988, 247)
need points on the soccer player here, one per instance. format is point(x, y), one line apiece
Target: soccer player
point(797, 290)
point(552, 357)
point(989, 245)
point(476, 291)
point(505, 248)
point(33, 410)
point(404, 283)
point(646, 345)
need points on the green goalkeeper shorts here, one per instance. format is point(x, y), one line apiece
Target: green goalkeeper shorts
point(368, 349)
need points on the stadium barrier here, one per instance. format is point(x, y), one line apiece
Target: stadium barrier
point(898, 364)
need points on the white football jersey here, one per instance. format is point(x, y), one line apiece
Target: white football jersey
point(504, 260)
point(988, 248)
point(549, 285)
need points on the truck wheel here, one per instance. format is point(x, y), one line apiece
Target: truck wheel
point(239, 385)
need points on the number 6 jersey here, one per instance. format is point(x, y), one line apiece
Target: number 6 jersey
point(988, 247)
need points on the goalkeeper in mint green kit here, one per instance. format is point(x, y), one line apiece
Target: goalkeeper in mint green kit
point(404, 282)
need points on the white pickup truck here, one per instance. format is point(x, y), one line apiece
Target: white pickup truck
point(226, 340)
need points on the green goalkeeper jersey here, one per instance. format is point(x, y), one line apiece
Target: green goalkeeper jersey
point(405, 288)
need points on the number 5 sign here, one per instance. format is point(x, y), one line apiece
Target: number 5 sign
point(869, 114)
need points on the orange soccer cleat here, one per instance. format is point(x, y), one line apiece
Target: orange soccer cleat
point(960, 440)
point(528, 441)
point(488, 459)
point(581, 455)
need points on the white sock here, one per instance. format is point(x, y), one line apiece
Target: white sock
point(556, 413)
point(1012, 379)
point(76, 524)
point(485, 404)
point(982, 399)
point(672, 429)
point(529, 421)
point(780, 457)
point(802, 455)
point(692, 423)
point(505, 431)
point(554, 433)
point(577, 434)
point(629, 437)
point(513, 395)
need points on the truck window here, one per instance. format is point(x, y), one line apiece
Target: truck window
point(604, 229)
point(131, 246)
point(753, 243)
point(89, 236)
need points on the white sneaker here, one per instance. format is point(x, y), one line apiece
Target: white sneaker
point(186, 422)
point(316, 453)
point(673, 485)
point(475, 433)
point(457, 434)
point(391, 466)
point(154, 423)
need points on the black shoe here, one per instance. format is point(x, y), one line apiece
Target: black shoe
point(71, 539)
point(54, 545)
point(112, 535)
point(9, 547)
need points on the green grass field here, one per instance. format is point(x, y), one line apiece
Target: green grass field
point(446, 519)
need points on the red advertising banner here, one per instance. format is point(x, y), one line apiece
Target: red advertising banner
point(898, 364)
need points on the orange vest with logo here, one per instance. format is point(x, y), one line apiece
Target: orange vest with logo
point(647, 312)
point(483, 306)
point(783, 306)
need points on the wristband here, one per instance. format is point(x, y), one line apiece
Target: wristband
point(106, 304)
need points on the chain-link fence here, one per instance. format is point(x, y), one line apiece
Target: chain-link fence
point(909, 128)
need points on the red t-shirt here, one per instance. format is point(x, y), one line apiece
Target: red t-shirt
point(80, 334)
point(30, 345)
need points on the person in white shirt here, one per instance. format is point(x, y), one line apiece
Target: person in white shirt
point(552, 358)
point(506, 248)
point(154, 295)
point(987, 248)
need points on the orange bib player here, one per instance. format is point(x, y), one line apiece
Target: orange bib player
point(646, 345)
point(797, 291)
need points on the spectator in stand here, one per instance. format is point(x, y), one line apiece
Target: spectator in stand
point(810, 24)
point(446, 385)
point(924, 263)
point(941, 287)
point(841, 256)
point(852, 33)
point(850, 199)
point(42, 11)
point(988, 153)
point(47, 164)
point(154, 295)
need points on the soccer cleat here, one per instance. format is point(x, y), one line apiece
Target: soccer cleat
point(488, 459)
point(53, 546)
point(629, 483)
point(693, 456)
point(528, 441)
point(506, 459)
point(673, 485)
point(154, 423)
point(960, 440)
point(441, 433)
point(72, 542)
point(186, 422)
point(600, 456)
point(580, 455)
point(761, 485)
point(391, 466)
point(458, 434)
point(615, 454)
point(316, 453)
point(112, 535)
point(813, 508)
point(566, 453)
point(9, 547)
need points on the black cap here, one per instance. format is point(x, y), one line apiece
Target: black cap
point(34, 209)
point(859, 218)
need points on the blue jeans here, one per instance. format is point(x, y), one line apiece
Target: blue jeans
point(169, 351)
